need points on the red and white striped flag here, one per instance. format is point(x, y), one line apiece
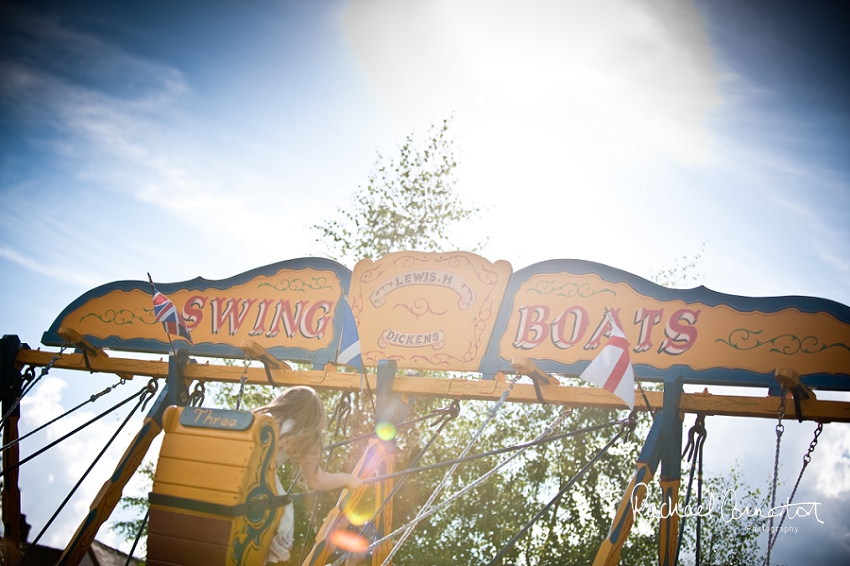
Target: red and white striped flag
point(612, 369)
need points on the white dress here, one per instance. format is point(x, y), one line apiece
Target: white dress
point(282, 542)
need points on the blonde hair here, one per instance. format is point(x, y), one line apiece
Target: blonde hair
point(300, 417)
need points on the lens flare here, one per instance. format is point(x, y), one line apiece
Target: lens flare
point(349, 541)
point(385, 431)
point(357, 519)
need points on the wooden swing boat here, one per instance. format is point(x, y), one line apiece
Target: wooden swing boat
point(213, 463)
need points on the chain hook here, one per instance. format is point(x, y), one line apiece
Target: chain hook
point(446, 414)
point(196, 399)
point(149, 392)
point(28, 375)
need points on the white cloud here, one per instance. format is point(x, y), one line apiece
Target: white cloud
point(51, 270)
point(633, 80)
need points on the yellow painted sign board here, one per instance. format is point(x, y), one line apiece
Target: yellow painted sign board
point(555, 313)
point(427, 310)
point(458, 311)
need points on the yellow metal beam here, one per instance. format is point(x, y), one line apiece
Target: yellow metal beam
point(464, 389)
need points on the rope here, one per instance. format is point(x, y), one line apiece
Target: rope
point(149, 388)
point(780, 428)
point(422, 512)
point(645, 398)
point(91, 399)
point(138, 536)
point(497, 451)
point(32, 383)
point(457, 495)
point(398, 427)
point(448, 414)
point(560, 493)
point(806, 459)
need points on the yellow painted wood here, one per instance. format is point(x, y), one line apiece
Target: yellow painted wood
point(226, 467)
point(257, 352)
point(348, 500)
point(231, 452)
point(201, 475)
point(384, 520)
point(609, 551)
point(708, 404)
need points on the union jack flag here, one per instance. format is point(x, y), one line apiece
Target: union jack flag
point(167, 314)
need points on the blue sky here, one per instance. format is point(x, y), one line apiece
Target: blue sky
point(204, 138)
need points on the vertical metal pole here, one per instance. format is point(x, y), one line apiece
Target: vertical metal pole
point(11, 389)
point(671, 471)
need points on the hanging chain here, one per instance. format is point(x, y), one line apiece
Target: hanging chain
point(28, 382)
point(340, 414)
point(780, 428)
point(806, 459)
point(243, 379)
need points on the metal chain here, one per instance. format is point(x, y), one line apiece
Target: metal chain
point(243, 379)
point(780, 428)
point(806, 459)
point(31, 381)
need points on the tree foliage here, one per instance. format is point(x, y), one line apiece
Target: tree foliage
point(408, 202)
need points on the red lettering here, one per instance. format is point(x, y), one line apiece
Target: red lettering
point(647, 318)
point(193, 311)
point(579, 327)
point(229, 314)
point(603, 329)
point(260, 324)
point(283, 314)
point(314, 322)
point(532, 321)
point(219, 314)
point(680, 337)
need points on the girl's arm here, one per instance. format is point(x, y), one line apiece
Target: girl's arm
point(320, 480)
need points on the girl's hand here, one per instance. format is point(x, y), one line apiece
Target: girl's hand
point(353, 483)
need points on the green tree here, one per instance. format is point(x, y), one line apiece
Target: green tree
point(408, 205)
point(408, 202)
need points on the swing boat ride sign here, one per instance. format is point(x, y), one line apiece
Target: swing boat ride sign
point(458, 311)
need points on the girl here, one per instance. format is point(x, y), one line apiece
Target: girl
point(300, 418)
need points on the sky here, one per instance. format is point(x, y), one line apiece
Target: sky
point(205, 139)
